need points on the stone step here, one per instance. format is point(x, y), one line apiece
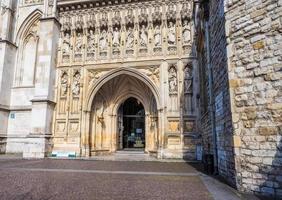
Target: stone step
point(130, 153)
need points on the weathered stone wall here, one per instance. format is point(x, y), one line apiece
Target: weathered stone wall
point(253, 30)
point(221, 97)
point(216, 91)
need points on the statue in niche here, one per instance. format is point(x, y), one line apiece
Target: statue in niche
point(66, 44)
point(172, 80)
point(116, 37)
point(130, 38)
point(100, 112)
point(91, 41)
point(186, 33)
point(188, 80)
point(143, 36)
point(158, 36)
point(79, 43)
point(64, 84)
point(76, 84)
point(171, 38)
point(103, 40)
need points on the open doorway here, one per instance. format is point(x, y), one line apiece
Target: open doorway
point(132, 122)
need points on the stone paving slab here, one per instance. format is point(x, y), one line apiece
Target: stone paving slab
point(82, 179)
point(27, 182)
point(104, 165)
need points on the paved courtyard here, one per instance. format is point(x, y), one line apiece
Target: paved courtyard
point(88, 179)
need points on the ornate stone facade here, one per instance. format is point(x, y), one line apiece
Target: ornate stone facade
point(211, 83)
point(143, 45)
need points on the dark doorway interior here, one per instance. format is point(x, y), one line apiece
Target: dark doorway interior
point(133, 124)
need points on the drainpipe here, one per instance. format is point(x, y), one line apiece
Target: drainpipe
point(210, 80)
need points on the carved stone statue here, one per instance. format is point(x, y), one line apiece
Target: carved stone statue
point(143, 37)
point(171, 37)
point(186, 33)
point(91, 42)
point(66, 44)
point(79, 43)
point(130, 38)
point(64, 84)
point(116, 37)
point(158, 36)
point(172, 80)
point(100, 112)
point(76, 84)
point(188, 80)
point(103, 40)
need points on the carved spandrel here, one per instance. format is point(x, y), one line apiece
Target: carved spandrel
point(153, 73)
point(94, 75)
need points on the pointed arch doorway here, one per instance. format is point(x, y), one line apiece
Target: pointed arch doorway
point(131, 125)
point(109, 124)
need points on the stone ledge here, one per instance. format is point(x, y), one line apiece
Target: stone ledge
point(15, 108)
point(8, 42)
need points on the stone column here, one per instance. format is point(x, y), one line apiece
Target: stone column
point(7, 58)
point(39, 140)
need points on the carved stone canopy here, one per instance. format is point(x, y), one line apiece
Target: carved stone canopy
point(91, 21)
point(104, 20)
point(79, 23)
point(67, 24)
point(143, 17)
point(185, 12)
point(116, 21)
point(129, 18)
point(157, 15)
point(171, 13)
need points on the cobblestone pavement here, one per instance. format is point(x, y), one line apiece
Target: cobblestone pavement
point(81, 179)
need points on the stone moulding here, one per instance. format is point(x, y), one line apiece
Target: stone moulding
point(74, 4)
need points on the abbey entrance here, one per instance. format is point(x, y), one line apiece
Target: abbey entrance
point(124, 115)
point(127, 80)
point(131, 125)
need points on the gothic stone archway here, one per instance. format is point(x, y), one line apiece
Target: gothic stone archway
point(104, 126)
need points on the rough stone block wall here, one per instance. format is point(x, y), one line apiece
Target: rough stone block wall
point(205, 128)
point(206, 134)
point(254, 36)
point(223, 120)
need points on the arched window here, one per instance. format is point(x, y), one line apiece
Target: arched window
point(29, 61)
point(27, 58)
